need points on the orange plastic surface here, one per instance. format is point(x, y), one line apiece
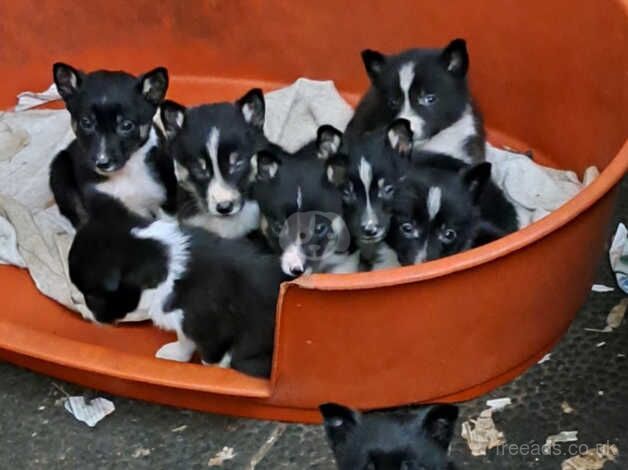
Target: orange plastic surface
point(544, 73)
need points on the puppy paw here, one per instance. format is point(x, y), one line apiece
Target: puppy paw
point(175, 351)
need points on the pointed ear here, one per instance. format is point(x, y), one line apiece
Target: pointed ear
point(328, 141)
point(438, 423)
point(399, 137)
point(172, 116)
point(373, 63)
point(154, 84)
point(67, 79)
point(339, 421)
point(253, 108)
point(455, 58)
point(475, 178)
point(265, 165)
point(336, 169)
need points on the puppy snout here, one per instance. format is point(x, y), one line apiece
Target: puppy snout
point(225, 207)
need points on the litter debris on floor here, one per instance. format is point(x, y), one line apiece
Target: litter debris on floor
point(601, 288)
point(180, 428)
point(90, 412)
point(614, 319)
point(498, 404)
point(618, 256)
point(481, 433)
point(141, 452)
point(566, 407)
point(545, 358)
point(226, 453)
point(600, 344)
point(563, 436)
point(593, 459)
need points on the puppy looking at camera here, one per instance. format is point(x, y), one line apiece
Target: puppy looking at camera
point(117, 150)
point(217, 295)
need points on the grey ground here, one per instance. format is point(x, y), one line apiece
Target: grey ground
point(36, 431)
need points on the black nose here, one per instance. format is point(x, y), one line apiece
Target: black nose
point(103, 164)
point(370, 230)
point(224, 207)
point(296, 271)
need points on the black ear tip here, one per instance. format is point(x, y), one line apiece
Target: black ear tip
point(327, 129)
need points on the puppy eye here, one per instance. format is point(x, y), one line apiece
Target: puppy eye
point(387, 191)
point(394, 103)
point(347, 191)
point(126, 127)
point(448, 235)
point(235, 162)
point(321, 229)
point(86, 123)
point(427, 100)
point(409, 230)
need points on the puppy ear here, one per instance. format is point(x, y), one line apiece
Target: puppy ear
point(328, 141)
point(67, 79)
point(475, 178)
point(172, 117)
point(399, 137)
point(336, 169)
point(373, 63)
point(265, 165)
point(339, 421)
point(455, 58)
point(253, 108)
point(438, 423)
point(154, 84)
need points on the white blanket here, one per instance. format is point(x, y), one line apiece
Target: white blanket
point(34, 235)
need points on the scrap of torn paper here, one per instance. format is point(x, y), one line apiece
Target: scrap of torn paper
point(90, 412)
point(618, 256)
point(481, 433)
point(30, 99)
point(614, 318)
point(563, 436)
point(545, 358)
point(226, 453)
point(601, 288)
point(498, 404)
point(593, 459)
point(566, 407)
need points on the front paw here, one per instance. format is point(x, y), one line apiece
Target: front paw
point(175, 351)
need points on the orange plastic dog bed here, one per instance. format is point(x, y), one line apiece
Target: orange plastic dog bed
point(550, 74)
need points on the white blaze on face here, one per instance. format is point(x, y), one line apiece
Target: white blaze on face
point(366, 177)
point(406, 77)
point(102, 151)
point(219, 191)
point(434, 197)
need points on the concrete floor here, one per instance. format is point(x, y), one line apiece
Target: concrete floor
point(37, 432)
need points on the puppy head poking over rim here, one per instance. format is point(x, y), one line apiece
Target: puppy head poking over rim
point(212, 146)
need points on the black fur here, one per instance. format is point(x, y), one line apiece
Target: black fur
point(472, 210)
point(111, 115)
point(393, 440)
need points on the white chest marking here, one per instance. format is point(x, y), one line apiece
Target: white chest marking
point(134, 185)
point(366, 177)
point(452, 140)
point(406, 77)
point(386, 258)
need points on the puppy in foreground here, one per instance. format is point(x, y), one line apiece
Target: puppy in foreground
point(217, 295)
point(394, 440)
point(117, 150)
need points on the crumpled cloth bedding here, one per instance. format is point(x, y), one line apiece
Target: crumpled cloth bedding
point(35, 236)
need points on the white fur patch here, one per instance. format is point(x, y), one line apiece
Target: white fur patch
point(452, 140)
point(231, 226)
point(406, 77)
point(102, 151)
point(341, 263)
point(247, 112)
point(181, 350)
point(219, 191)
point(134, 184)
point(421, 255)
point(366, 176)
point(293, 257)
point(385, 258)
point(434, 197)
point(299, 198)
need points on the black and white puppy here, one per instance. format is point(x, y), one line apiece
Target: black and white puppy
point(301, 209)
point(117, 151)
point(218, 295)
point(212, 146)
point(394, 440)
point(428, 87)
point(445, 206)
point(368, 175)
